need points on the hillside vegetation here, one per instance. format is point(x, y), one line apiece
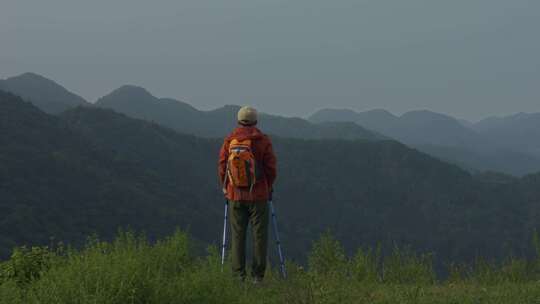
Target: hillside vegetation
point(130, 270)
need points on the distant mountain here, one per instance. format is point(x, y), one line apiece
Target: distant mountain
point(92, 170)
point(377, 119)
point(42, 92)
point(505, 144)
point(139, 103)
point(415, 127)
point(444, 137)
point(426, 127)
point(502, 160)
point(520, 130)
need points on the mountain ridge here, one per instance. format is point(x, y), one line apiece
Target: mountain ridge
point(431, 132)
point(139, 103)
point(43, 92)
point(92, 170)
point(444, 136)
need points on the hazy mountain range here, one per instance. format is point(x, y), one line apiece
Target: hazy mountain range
point(521, 131)
point(139, 103)
point(94, 170)
point(507, 144)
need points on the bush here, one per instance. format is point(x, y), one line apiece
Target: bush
point(403, 266)
point(364, 265)
point(327, 257)
point(131, 270)
point(512, 270)
point(128, 270)
point(26, 264)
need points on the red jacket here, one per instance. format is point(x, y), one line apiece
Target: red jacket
point(265, 157)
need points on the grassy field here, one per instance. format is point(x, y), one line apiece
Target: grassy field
point(130, 270)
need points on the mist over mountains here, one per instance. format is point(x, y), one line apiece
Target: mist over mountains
point(505, 144)
point(501, 144)
point(94, 170)
point(139, 103)
point(520, 130)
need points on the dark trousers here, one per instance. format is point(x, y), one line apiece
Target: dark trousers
point(256, 214)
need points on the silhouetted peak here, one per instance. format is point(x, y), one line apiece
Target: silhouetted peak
point(127, 94)
point(36, 81)
point(45, 93)
point(330, 114)
point(30, 76)
point(132, 90)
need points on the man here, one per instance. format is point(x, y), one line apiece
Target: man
point(247, 171)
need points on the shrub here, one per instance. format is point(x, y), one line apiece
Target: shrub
point(327, 257)
point(26, 264)
point(512, 270)
point(457, 273)
point(364, 265)
point(130, 270)
point(403, 266)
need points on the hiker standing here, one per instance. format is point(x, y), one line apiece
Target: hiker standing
point(247, 169)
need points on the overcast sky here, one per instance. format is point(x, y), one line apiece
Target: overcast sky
point(467, 58)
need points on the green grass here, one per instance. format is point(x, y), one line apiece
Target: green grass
point(131, 270)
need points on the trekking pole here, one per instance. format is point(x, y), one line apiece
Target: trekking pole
point(225, 217)
point(282, 269)
point(224, 244)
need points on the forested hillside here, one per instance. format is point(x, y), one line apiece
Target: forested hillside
point(55, 181)
point(92, 170)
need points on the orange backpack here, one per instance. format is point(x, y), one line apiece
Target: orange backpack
point(241, 164)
